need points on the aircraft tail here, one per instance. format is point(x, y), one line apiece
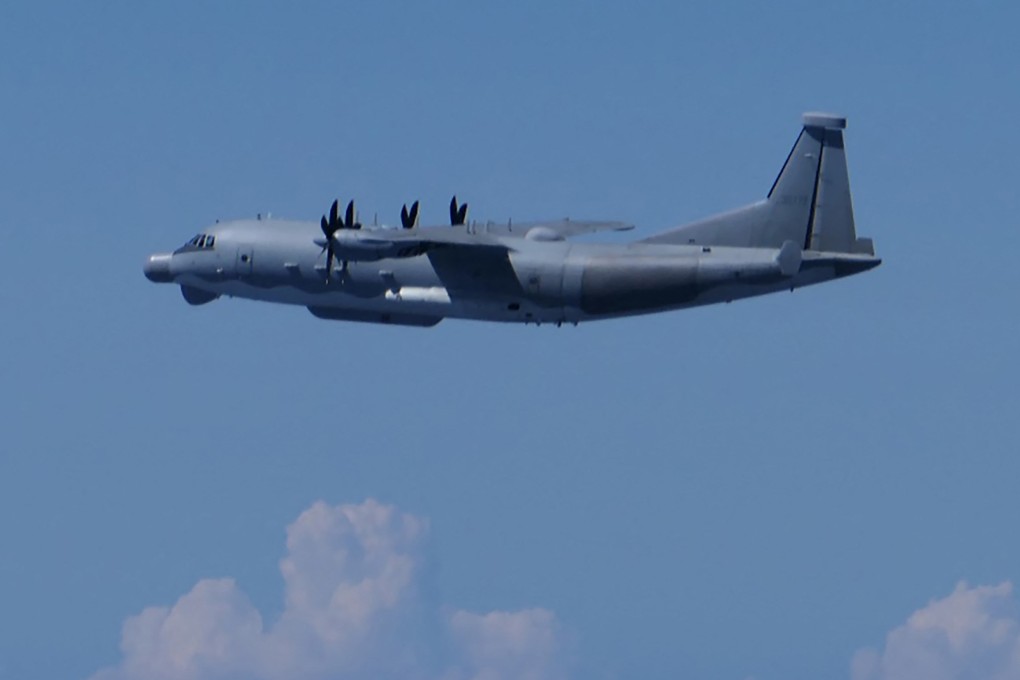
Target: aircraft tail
point(809, 203)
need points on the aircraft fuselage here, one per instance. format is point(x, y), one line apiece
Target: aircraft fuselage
point(530, 281)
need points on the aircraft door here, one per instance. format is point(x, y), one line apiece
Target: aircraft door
point(243, 263)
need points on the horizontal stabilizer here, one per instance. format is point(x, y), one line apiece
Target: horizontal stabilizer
point(789, 259)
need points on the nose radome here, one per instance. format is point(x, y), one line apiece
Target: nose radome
point(157, 268)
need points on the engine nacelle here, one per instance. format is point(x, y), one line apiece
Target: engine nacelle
point(360, 246)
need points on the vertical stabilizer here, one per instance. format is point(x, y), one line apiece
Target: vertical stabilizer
point(809, 203)
point(810, 199)
point(792, 194)
point(831, 227)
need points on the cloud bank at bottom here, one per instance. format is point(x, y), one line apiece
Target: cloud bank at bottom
point(352, 609)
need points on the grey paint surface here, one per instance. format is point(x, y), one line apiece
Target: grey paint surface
point(801, 234)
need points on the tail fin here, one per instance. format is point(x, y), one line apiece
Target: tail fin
point(809, 202)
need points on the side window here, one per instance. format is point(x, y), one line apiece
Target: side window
point(210, 241)
point(201, 241)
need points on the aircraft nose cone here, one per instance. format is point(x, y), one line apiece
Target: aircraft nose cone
point(157, 268)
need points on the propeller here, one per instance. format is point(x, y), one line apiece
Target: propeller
point(458, 215)
point(409, 219)
point(333, 224)
point(330, 227)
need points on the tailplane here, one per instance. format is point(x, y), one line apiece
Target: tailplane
point(809, 203)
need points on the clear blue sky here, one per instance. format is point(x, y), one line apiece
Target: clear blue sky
point(756, 490)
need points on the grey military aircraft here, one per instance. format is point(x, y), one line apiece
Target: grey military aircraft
point(802, 233)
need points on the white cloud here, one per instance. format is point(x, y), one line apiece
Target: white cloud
point(525, 644)
point(972, 633)
point(351, 610)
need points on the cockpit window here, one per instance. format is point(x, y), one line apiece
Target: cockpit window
point(203, 241)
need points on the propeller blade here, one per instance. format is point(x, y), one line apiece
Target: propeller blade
point(458, 215)
point(325, 227)
point(329, 260)
point(409, 218)
point(334, 218)
point(349, 221)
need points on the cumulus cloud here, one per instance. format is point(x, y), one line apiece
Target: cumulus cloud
point(972, 633)
point(525, 644)
point(352, 610)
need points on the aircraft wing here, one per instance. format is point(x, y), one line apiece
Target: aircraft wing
point(370, 244)
point(466, 262)
point(445, 238)
point(358, 245)
point(560, 229)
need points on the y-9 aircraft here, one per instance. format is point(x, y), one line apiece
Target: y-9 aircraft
point(802, 233)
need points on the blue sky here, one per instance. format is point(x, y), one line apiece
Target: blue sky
point(757, 490)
